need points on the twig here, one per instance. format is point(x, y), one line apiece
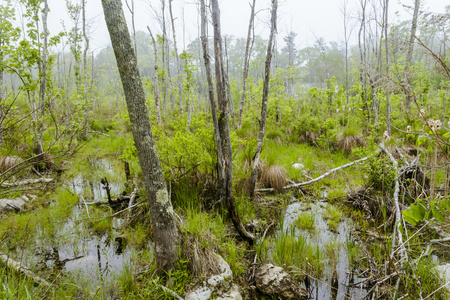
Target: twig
point(26, 182)
point(98, 132)
point(121, 211)
point(169, 291)
point(130, 204)
point(87, 210)
point(2, 175)
point(436, 291)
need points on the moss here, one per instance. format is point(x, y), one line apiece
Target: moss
point(333, 215)
point(306, 221)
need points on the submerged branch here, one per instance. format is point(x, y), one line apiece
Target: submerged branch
point(18, 267)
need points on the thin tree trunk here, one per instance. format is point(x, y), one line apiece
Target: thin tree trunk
point(1, 93)
point(180, 86)
point(410, 51)
point(224, 157)
point(362, 50)
point(43, 84)
point(388, 106)
point(156, 81)
point(246, 62)
point(85, 71)
point(166, 58)
point(262, 122)
point(230, 99)
point(165, 230)
point(67, 80)
point(131, 9)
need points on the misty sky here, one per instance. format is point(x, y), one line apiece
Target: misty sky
point(310, 19)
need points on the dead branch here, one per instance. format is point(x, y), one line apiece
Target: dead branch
point(318, 178)
point(18, 267)
point(99, 132)
point(169, 291)
point(26, 182)
point(130, 204)
point(398, 215)
point(87, 209)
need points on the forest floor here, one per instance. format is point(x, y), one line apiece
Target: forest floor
point(85, 249)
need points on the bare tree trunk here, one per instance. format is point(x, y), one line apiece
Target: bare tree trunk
point(262, 122)
point(230, 99)
point(165, 230)
point(246, 62)
point(43, 84)
point(85, 71)
point(67, 82)
point(156, 81)
point(388, 106)
point(362, 50)
point(180, 86)
point(2, 98)
point(410, 51)
point(166, 58)
point(346, 37)
point(131, 9)
point(222, 133)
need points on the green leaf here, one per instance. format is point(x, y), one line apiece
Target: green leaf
point(436, 213)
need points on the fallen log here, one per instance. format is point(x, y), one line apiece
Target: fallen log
point(18, 267)
point(26, 182)
point(318, 178)
point(16, 204)
point(398, 213)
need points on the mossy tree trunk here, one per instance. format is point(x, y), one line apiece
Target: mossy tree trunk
point(165, 230)
point(262, 122)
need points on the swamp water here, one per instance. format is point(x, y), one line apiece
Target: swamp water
point(325, 239)
point(72, 244)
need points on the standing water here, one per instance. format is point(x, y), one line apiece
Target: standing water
point(330, 237)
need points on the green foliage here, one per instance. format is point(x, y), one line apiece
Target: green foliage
point(234, 255)
point(287, 249)
point(306, 220)
point(380, 173)
point(418, 212)
point(333, 215)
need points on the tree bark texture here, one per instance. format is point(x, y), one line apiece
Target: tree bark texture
point(230, 98)
point(165, 230)
point(388, 106)
point(156, 81)
point(180, 86)
point(40, 113)
point(246, 62)
point(222, 131)
point(262, 122)
point(1, 93)
point(410, 50)
point(85, 71)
